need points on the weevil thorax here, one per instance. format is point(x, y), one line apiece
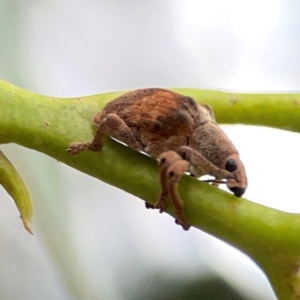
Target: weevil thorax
point(211, 141)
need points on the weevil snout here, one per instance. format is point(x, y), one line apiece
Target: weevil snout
point(238, 191)
point(211, 141)
point(238, 184)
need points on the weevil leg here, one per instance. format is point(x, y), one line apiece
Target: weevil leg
point(165, 160)
point(111, 125)
point(77, 147)
point(215, 182)
point(114, 126)
point(174, 173)
point(206, 167)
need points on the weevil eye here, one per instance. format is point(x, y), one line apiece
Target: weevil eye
point(231, 165)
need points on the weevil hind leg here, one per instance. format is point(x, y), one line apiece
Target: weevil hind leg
point(111, 125)
point(77, 147)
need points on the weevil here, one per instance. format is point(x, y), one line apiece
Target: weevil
point(181, 134)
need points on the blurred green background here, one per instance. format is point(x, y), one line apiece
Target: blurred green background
point(93, 241)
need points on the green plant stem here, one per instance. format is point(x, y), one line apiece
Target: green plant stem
point(273, 110)
point(269, 236)
point(14, 185)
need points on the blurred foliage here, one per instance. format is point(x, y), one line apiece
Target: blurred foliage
point(10, 64)
point(160, 286)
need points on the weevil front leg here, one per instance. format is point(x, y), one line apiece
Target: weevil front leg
point(202, 165)
point(215, 182)
point(111, 125)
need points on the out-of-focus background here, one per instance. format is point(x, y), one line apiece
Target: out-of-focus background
point(93, 241)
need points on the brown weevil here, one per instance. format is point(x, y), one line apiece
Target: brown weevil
point(182, 135)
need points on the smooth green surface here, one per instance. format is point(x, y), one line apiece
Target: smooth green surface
point(269, 236)
point(280, 111)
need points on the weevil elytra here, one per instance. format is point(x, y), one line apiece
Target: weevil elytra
point(182, 135)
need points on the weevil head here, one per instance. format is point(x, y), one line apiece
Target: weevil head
point(239, 183)
point(211, 141)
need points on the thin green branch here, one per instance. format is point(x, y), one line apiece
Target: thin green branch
point(270, 237)
point(280, 110)
point(15, 187)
